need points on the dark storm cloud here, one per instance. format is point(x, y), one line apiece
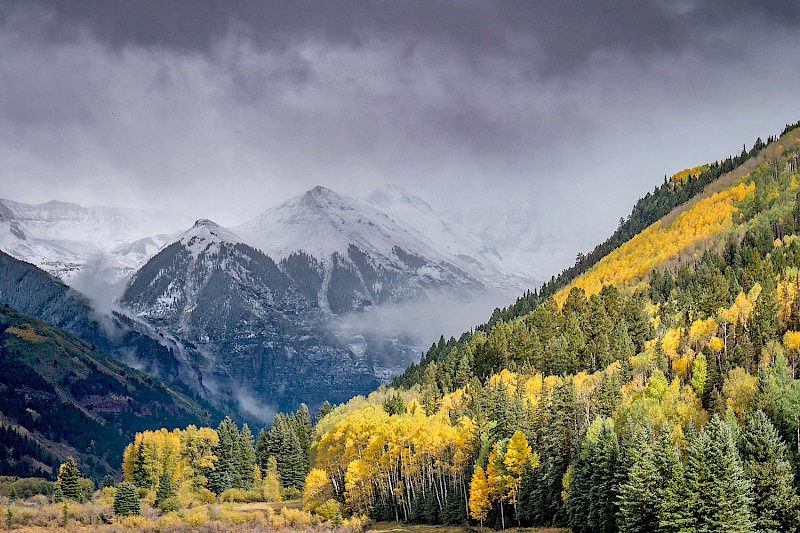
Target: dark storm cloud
point(221, 109)
point(566, 32)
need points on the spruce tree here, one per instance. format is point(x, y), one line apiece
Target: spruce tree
point(579, 501)
point(638, 495)
point(324, 410)
point(69, 480)
point(604, 481)
point(262, 449)
point(166, 489)
point(720, 493)
point(247, 459)
point(225, 474)
point(525, 497)
point(558, 433)
point(673, 515)
point(126, 500)
point(775, 505)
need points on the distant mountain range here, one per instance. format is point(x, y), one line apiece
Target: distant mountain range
point(290, 306)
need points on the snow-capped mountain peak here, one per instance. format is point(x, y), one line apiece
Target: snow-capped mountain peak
point(205, 236)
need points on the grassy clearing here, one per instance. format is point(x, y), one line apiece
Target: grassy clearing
point(275, 506)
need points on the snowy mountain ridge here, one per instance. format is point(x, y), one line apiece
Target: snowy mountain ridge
point(63, 238)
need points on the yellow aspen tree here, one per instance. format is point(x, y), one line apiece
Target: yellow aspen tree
point(479, 503)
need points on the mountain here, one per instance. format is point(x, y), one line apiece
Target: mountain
point(263, 335)
point(477, 257)
point(322, 290)
point(74, 242)
point(60, 395)
point(363, 257)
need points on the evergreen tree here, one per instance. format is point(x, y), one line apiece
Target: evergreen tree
point(126, 500)
point(166, 489)
point(247, 459)
point(324, 410)
point(69, 480)
point(525, 498)
point(719, 491)
point(453, 512)
point(262, 449)
point(305, 433)
point(108, 481)
point(284, 445)
point(775, 505)
point(558, 433)
point(394, 404)
point(463, 372)
point(638, 495)
point(604, 481)
point(226, 473)
point(580, 482)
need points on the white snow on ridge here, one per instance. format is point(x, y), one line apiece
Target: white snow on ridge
point(411, 211)
point(65, 238)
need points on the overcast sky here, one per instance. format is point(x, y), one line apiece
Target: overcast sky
point(572, 109)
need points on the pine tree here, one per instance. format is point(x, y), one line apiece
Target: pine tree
point(247, 458)
point(108, 481)
point(126, 500)
point(463, 372)
point(225, 474)
point(579, 501)
point(604, 481)
point(324, 410)
point(638, 495)
point(305, 432)
point(283, 444)
point(69, 480)
point(673, 513)
point(715, 480)
point(262, 449)
point(166, 489)
point(775, 506)
point(558, 433)
point(394, 404)
point(525, 500)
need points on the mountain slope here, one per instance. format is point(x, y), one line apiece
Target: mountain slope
point(69, 398)
point(266, 344)
point(745, 199)
point(31, 290)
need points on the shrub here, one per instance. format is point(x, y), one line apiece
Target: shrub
point(170, 504)
point(328, 510)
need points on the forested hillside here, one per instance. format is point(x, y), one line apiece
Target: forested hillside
point(655, 391)
point(59, 396)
